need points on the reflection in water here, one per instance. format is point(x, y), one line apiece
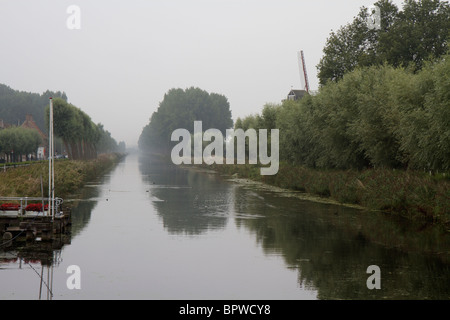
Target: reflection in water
point(188, 202)
point(39, 256)
point(84, 202)
point(42, 257)
point(329, 246)
point(154, 230)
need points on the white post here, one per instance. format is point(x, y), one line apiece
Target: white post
point(53, 169)
point(49, 156)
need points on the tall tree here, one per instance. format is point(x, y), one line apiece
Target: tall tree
point(420, 33)
point(82, 138)
point(179, 109)
point(408, 37)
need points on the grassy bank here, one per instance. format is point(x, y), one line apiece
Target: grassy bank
point(415, 195)
point(70, 175)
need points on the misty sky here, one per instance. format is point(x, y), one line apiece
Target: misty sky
point(128, 54)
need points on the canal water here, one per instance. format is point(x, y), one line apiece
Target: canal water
point(151, 230)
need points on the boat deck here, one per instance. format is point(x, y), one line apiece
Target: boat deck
point(16, 220)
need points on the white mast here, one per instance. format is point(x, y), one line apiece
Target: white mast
point(51, 167)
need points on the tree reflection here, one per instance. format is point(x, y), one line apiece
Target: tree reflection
point(82, 207)
point(331, 247)
point(188, 202)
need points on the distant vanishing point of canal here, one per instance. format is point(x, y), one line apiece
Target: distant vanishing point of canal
point(152, 230)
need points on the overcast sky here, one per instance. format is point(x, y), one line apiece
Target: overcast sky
point(128, 54)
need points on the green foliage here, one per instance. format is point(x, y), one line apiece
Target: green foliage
point(407, 38)
point(375, 120)
point(420, 33)
point(374, 125)
point(18, 141)
point(375, 117)
point(105, 143)
point(296, 142)
point(82, 138)
point(179, 109)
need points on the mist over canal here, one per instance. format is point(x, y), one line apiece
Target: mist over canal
point(152, 230)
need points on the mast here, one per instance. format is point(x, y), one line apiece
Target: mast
point(51, 165)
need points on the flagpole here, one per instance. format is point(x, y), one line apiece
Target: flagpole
point(49, 157)
point(51, 169)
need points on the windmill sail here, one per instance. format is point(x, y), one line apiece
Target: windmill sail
point(303, 74)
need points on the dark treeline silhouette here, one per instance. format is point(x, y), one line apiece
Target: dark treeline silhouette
point(15, 105)
point(74, 129)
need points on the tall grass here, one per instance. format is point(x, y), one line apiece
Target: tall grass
point(70, 175)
